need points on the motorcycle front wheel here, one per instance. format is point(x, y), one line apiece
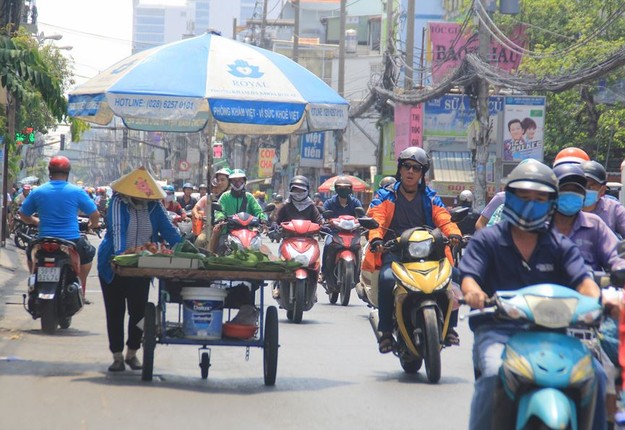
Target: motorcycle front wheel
point(347, 269)
point(432, 349)
point(19, 240)
point(300, 297)
point(49, 316)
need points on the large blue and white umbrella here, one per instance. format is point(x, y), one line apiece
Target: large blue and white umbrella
point(247, 90)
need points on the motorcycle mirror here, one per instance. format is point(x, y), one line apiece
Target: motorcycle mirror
point(328, 214)
point(269, 208)
point(617, 278)
point(360, 212)
point(459, 213)
point(216, 207)
point(368, 223)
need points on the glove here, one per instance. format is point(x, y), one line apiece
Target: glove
point(376, 245)
point(455, 239)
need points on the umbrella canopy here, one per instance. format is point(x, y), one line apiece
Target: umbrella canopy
point(357, 184)
point(173, 87)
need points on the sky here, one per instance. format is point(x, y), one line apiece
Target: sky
point(100, 31)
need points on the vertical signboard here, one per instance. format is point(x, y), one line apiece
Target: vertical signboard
point(312, 144)
point(524, 120)
point(389, 161)
point(408, 126)
point(265, 162)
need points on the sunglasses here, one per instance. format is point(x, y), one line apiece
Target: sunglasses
point(415, 167)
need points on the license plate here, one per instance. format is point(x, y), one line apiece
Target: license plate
point(48, 274)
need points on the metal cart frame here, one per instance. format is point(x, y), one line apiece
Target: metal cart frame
point(155, 321)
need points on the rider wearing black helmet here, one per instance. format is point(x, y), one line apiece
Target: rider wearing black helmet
point(408, 203)
point(519, 251)
point(467, 225)
point(299, 205)
point(609, 210)
point(186, 200)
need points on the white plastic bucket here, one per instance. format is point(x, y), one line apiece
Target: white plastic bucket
point(202, 313)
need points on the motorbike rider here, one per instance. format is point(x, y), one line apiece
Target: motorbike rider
point(57, 204)
point(260, 198)
point(342, 203)
point(609, 210)
point(409, 203)
point(219, 184)
point(467, 225)
point(186, 200)
point(234, 201)
point(299, 205)
point(318, 201)
point(203, 190)
point(19, 199)
point(519, 251)
point(170, 202)
point(278, 202)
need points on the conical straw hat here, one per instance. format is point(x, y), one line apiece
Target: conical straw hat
point(140, 184)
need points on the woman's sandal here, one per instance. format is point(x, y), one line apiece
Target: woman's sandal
point(386, 343)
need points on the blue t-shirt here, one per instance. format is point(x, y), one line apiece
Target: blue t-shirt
point(57, 204)
point(492, 259)
point(335, 206)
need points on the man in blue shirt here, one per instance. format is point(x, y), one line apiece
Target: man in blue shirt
point(342, 203)
point(57, 204)
point(520, 251)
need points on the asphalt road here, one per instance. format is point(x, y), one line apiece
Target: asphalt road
point(330, 375)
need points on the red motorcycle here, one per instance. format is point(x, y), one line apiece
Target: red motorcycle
point(346, 247)
point(243, 232)
point(300, 244)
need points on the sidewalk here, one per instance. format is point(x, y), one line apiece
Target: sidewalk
point(9, 259)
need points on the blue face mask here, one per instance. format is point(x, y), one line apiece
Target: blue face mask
point(592, 197)
point(570, 203)
point(528, 215)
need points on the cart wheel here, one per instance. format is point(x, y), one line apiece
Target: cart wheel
point(289, 315)
point(149, 341)
point(270, 346)
point(205, 363)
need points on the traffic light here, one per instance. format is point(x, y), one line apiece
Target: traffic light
point(62, 142)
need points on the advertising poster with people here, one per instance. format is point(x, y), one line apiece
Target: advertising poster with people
point(524, 119)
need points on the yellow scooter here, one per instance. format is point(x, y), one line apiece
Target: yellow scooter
point(424, 299)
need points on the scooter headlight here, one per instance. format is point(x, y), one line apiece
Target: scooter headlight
point(420, 249)
point(512, 311)
point(582, 371)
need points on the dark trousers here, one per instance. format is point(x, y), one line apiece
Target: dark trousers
point(121, 291)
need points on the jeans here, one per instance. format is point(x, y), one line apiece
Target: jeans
point(489, 341)
point(386, 284)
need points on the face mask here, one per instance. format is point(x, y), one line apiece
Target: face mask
point(298, 196)
point(528, 215)
point(343, 192)
point(592, 197)
point(239, 188)
point(169, 198)
point(570, 203)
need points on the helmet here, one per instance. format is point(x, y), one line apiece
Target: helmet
point(343, 181)
point(187, 185)
point(26, 187)
point(169, 189)
point(100, 190)
point(237, 173)
point(571, 155)
point(465, 198)
point(59, 164)
point(203, 186)
point(317, 196)
point(91, 190)
point(416, 154)
point(257, 193)
point(570, 173)
point(386, 181)
point(595, 170)
point(278, 198)
point(300, 182)
point(532, 175)
point(225, 172)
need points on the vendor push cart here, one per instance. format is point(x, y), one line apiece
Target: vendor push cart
point(158, 329)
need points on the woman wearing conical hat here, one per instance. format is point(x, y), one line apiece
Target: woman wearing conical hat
point(135, 216)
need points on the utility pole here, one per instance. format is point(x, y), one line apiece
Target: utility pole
point(295, 55)
point(409, 71)
point(263, 25)
point(481, 156)
point(340, 135)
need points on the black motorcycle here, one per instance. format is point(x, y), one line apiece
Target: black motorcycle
point(23, 233)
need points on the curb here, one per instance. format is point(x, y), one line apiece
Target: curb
point(9, 259)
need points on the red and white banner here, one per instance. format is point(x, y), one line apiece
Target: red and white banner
point(445, 55)
point(265, 162)
point(408, 126)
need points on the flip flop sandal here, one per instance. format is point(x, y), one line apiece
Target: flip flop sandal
point(386, 343)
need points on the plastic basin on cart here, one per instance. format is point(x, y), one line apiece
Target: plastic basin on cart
point(239, 331)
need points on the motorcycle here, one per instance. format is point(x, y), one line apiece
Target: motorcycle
point(23, 233)
point(300, 244)
point(345, 243)
point(273, 233)
point(547, 378)
point(54, 289)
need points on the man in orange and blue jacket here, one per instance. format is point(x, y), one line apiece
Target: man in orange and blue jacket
point(407, 204)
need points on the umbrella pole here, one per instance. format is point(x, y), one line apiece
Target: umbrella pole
point(208, 133)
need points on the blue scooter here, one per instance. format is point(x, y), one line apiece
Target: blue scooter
point(547, 379)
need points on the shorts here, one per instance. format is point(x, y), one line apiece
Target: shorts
point(86, 251)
